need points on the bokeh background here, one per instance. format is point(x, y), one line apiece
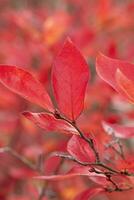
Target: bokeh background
point(31, 34)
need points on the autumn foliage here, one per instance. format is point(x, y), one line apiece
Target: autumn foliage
point(66, 100)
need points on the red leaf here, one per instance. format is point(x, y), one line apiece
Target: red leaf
point(69, 78)
point(77, 171)
point(89, 193)
point(126, 85)
point(51, 164)
point(106, 68)
point(49, 123)
point(80, 149)
point(24, 84)
point(118, 130)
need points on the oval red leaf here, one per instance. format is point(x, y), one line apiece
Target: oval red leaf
point(70, 75)
point(25, 84)
point(80, 149)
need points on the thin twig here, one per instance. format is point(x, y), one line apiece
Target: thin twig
point(98, 161)
point(19, 157)
point(88, 140)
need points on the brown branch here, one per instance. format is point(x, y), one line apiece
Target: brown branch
point(98, 161)
point(88, 140)
point(108, 174)
point(18, 156)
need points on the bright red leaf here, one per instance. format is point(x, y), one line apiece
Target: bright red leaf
point(24, 84)
point(70, 75)
point(49, 123)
